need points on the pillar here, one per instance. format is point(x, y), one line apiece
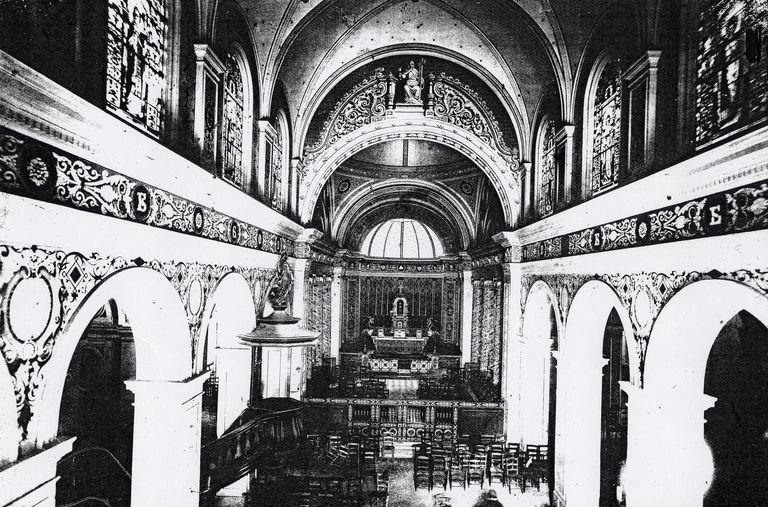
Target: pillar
point(668, 460)
point(527, 182)
point(208, 72)
point(297, 376)
point(166, 441)
point(336, 302)
point(32, 481)
point(567, 191)
point(466, 315)
point(234, 371)
point(534, 372)
point(578, 426)
point(512, 324)
point(265, 134)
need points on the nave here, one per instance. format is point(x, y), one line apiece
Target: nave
point(383, 252)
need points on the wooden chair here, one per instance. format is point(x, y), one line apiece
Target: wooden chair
point(388, 446)
point(476, 473)
point(458, 476)
point(439, 471)
point(421, 475)
point(513, 472)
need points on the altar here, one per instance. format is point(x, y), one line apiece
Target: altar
point(399, 346)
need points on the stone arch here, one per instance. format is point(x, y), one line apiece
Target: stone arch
point(672, 402)
point(436, 195)
point(579, 390)
point(536, 361)
point(505, 180)
point(158, 321)
point(505, 89)
point(229, 311)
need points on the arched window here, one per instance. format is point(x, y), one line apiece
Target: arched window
point(547, 174)
point(136, 53)
point(236, 119)
point(603, 160)
point(232, 124)
point(277, 165)
point(402, 238)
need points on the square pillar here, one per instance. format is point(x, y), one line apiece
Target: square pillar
point(208, 74)
point(336, 302)
point(32, 481)
point(166, 441)
point(466, 316)
point(234, 371)
point(512, 325)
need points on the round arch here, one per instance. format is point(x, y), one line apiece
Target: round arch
point(504, 91)
point(579, 389)
point(672, 400)
point(231, 298)
point(536, 361)
point(505, 181)
point(229, 312)
point(157, 319)
point(378, 192)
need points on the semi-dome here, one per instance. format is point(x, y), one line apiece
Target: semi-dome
point(402, 238)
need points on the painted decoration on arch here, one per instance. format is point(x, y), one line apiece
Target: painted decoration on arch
point(136, 53)
point(44, 288)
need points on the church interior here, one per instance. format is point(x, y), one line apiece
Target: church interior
point(384, 253)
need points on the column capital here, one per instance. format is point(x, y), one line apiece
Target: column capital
point(204, 54)
point(163, 391)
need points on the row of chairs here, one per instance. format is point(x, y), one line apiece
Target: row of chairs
point(465, 464)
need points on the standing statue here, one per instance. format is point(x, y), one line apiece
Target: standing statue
point(413, 84)
point(279, 289)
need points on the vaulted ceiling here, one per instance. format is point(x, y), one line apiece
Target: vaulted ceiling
point(521, 58)
point(409, 179)
point(521, 48)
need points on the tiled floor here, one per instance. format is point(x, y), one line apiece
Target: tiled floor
point(403, 494)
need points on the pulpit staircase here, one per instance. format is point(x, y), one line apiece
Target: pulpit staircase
point(264, 435)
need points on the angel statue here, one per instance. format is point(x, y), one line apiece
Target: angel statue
point(280, 286)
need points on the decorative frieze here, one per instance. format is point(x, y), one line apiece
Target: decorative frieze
point(53, 284)
point(39, 171)
point(738, 210)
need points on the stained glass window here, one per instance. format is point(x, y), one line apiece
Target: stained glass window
point(136, 47)
point(232, 124)
point(731, 77)
point(274, 176)
point(606, 128)
point(548, 179)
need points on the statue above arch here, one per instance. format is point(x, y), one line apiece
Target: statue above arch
point(412, 83)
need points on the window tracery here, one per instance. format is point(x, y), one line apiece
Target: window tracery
point(232, 123)
point(136, 47)
point(606, 128)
